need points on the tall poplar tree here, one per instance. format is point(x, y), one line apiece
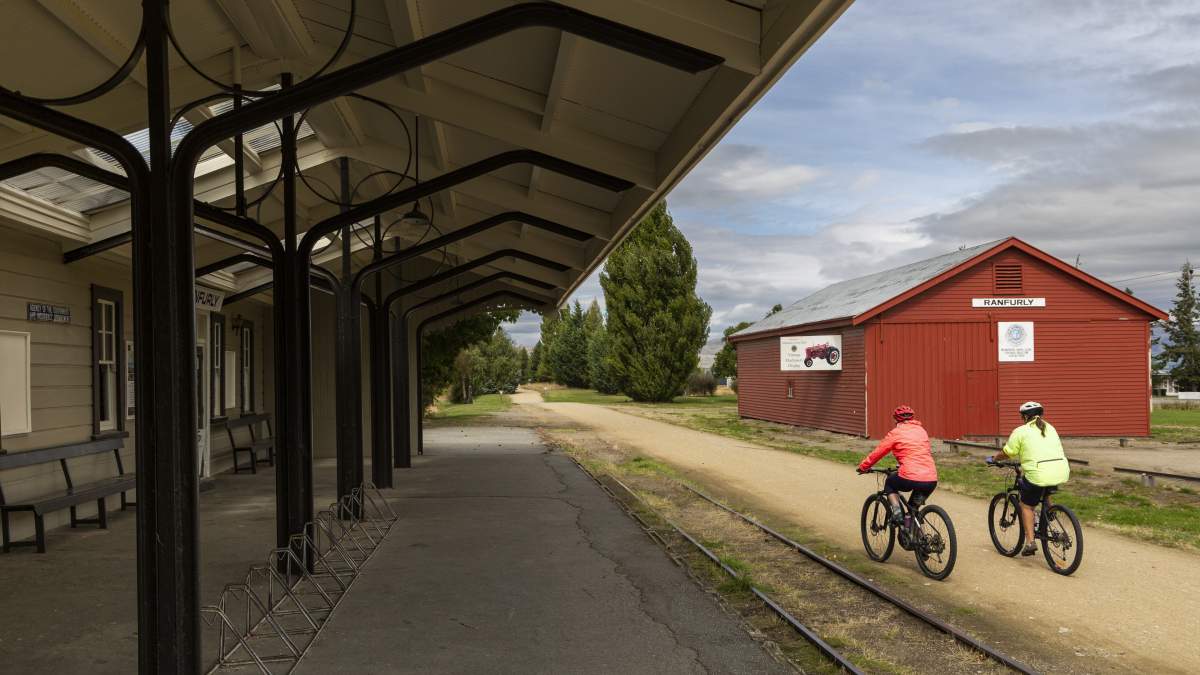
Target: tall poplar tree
point(567, 355)
point(656, 322)
point(1180, 342)
point(551, 323)
point(535, 363)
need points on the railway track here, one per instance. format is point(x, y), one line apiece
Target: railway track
point(616, 488)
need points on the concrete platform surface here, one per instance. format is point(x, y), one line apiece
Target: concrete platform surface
point(509, 559)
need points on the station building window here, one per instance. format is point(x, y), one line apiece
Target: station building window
point(108, 390)
point(15, 386)
point(217, 402)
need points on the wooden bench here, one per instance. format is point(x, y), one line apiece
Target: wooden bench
point(73, 495)
point(251, 443)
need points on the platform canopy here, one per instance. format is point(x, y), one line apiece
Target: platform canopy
point(578, 101)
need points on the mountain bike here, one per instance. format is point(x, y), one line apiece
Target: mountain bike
point(1056, 526)
point(926, 530)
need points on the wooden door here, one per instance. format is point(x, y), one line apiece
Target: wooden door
point(983, 407)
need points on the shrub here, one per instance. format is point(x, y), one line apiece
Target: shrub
point(700, 383)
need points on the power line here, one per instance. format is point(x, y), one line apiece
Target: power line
point(1144, 276)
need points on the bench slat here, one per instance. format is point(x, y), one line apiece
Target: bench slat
point(245, 420)
point(66, 451)
point(82, 494)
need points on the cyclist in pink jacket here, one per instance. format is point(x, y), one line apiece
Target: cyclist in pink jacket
point(909, 441)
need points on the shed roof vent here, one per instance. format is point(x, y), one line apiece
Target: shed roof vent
point(1008, 279)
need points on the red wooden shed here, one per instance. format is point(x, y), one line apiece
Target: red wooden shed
point(964, 338)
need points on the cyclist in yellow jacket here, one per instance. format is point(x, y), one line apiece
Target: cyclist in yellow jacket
point(1044, 464)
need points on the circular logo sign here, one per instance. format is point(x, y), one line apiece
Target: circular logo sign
point(793, 347)
point(1016, 334)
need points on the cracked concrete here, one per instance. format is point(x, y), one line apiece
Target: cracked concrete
point(508, 559)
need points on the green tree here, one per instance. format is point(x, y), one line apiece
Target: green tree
point(535, 363)
point(1180, 341)
point(500, 371)
point(491, 366)
point(725, 363)
point(567, 355)
point(524, 365)
point(656, 322)
point(465, 375)
point(775, 310)
point(439, 348)
point(551, 325)
point(601, 370)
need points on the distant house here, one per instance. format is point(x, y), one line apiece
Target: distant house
point(1164, 384)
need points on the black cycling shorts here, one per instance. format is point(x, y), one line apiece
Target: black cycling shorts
point(920, 489)
point(1031, 495)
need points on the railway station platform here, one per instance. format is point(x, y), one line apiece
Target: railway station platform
point(506, 557)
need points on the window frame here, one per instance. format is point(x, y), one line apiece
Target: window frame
point(101, 297)
point(246, 366)
point(216, 366)
point(5, 429)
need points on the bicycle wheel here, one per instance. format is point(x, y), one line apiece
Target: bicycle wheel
point(878, 535)
point(937, 545)
point(1004, 524)
point(1062, 543)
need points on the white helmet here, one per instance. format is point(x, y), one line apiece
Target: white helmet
point(1031, 408)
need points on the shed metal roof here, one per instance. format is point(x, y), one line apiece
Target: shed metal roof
point(848, 299)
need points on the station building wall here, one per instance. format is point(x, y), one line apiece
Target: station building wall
point(61, 366)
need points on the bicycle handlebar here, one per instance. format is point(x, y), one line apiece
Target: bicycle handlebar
point(889, 470)
point(1006, 465)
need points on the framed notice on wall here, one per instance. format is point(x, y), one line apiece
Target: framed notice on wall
point(810, 352)
point(1015, 340)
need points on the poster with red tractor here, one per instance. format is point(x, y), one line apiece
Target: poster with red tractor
point(810, 352)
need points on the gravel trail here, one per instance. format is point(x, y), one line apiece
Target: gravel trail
point(1130, 603)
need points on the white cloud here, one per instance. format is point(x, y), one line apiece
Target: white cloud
point(735, 173)
point(865, 180)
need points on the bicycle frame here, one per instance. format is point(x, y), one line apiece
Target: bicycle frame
point(905, 506)
point(1040, 522)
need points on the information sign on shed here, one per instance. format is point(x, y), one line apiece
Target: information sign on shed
point(1015, 340)
point(810, 352)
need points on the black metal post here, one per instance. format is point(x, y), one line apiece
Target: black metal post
point(165, 331)
point(349, 363)
point(402, 430)
point(239, 159)
point(293, 359)
point(381, 367)
point(418, 343)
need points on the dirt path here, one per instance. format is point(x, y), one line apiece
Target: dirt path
point(1130, 600)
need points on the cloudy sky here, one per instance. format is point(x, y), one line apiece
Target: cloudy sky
point(916, 126)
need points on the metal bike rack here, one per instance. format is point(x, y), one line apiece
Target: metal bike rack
point(267, 622)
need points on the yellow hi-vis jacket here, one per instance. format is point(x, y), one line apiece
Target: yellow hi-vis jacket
point(1042, 458)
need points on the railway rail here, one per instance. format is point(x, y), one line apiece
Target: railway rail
point(805, 631)
point(959, 635)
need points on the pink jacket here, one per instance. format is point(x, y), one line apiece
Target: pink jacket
point(910, 443)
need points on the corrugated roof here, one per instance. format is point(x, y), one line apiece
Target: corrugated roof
point(847, 299)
